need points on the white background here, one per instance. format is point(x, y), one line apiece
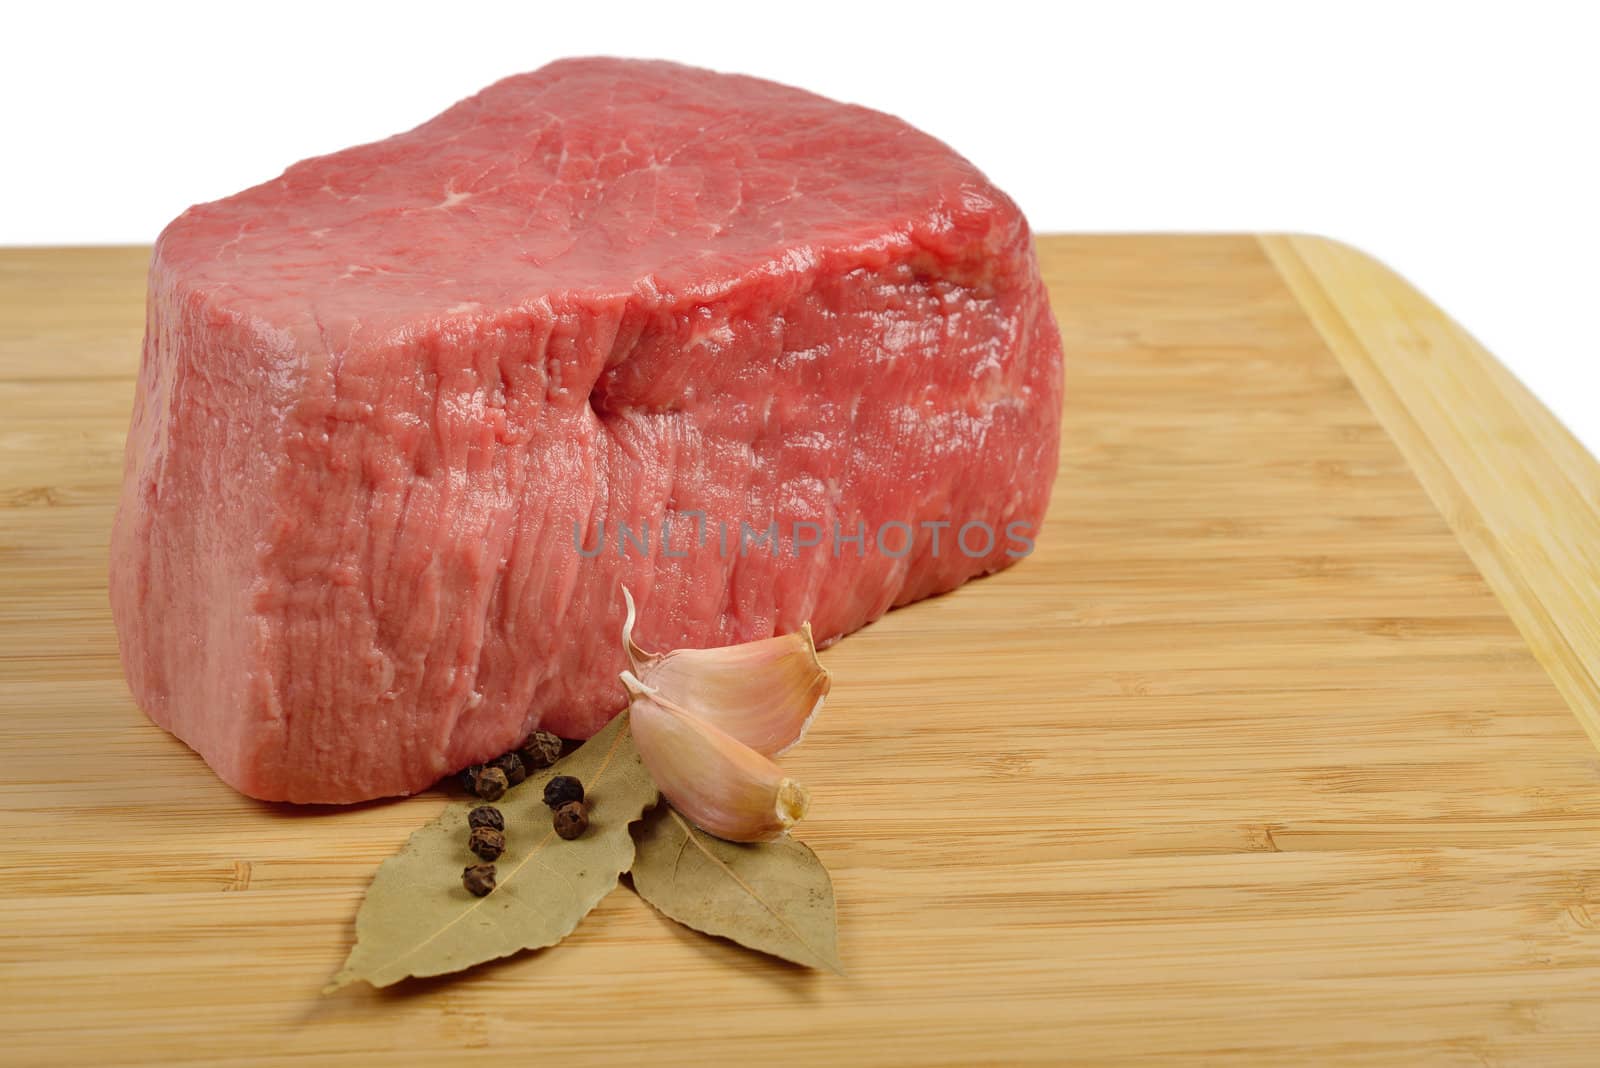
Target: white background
point(1457, 143)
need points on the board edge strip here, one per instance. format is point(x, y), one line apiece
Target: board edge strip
point(1520, 493)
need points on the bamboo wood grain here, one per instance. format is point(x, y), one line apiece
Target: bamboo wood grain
point(1247, 764)
point(1521, 493)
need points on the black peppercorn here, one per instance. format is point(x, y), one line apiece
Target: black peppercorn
point(561, 789)
point(469, 778)
point(511, 764)
point(487, 842)
point(571, 819)
point(486, 816)
point(491, 784)
point(478, 878)
point(539, 750)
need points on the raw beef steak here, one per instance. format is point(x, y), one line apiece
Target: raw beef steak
point(405, 413)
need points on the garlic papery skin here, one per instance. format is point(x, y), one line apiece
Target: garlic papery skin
point(717, 782)
point(764, 693)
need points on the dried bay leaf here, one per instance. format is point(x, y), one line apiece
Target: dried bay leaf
point(418, 920)
point(775, 896)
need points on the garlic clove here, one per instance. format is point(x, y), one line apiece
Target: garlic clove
point(720, 784)
point(764, 693)
point(638, 659)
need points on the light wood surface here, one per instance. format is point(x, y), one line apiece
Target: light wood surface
point(1520, 492)
point(1248, 763)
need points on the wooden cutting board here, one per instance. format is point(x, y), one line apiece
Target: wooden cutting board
point(1275, 751)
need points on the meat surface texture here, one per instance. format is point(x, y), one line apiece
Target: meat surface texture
point(404, 413)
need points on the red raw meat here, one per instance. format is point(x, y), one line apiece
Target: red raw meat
point(379, 393)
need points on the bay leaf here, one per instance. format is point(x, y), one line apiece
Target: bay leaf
point(775, 896)
point(418, 920)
